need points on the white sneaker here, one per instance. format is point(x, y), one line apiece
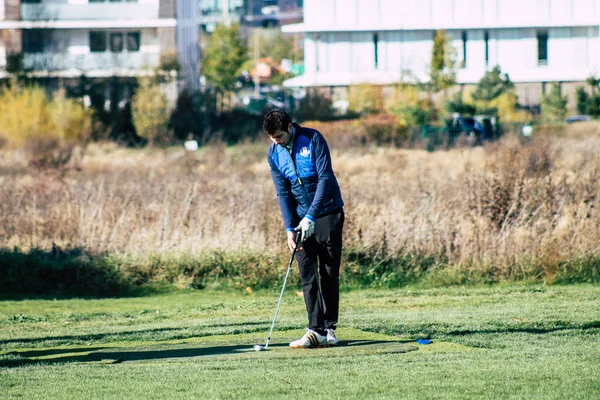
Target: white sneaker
point(310, 340)
point(331, 339)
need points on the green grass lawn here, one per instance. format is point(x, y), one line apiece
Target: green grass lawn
point(501, 342)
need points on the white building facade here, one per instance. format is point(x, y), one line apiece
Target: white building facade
point(386, 41)
point(98, 38)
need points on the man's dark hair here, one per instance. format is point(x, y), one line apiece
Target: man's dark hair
point(275, 120)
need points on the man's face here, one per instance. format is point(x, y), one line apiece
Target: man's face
point(282, 137)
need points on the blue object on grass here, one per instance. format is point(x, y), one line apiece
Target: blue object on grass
point(424, 341)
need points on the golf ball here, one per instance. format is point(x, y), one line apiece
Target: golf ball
point(257, 347)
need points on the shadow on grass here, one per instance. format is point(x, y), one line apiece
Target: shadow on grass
point(89, 337)
point(427, 332)
point(59, 273)
point(118, 356)
point(51, 352)
point(186, 332)
point(526, 329)
point(372, 342)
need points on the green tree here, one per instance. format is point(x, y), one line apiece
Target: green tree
point(150, 110)
point(416, 115)
point(276, 45)
point(589, 104)
point(411, 110)
point(594, 82)
point(225, 54)
point(457, 104)
point(442, 71)
point(492, 85)
point(583, 101)
point(554, 105)
point(594, 105)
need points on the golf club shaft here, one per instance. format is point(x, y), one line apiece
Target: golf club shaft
point(287, 273)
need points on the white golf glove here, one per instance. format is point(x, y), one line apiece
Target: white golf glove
point(307, 227)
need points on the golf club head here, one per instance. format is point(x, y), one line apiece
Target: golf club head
point(258, 347)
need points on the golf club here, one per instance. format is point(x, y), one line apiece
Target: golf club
point(258, 347)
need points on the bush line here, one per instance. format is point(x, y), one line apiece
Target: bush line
point(76, 273)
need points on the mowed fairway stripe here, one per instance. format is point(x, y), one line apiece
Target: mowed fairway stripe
point(358, 343)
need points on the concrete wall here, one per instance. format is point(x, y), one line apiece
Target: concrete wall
point(573, 53)
point(166, 9)
point(415, 14)
point(12, 10)
point(12, 40)
point(166, 39)
point(340, 38)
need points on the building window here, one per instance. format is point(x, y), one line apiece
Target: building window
point(100, 41)
point(33, 41)
point(486, 40)
point(133, 41)
point(116, 42)
point(542, 41)
point(97, 42)
point(376, 49)
point(464, 48)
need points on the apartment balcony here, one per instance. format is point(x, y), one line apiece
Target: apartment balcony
point(215, 17)
point(91, 15)
point(90, 11)
point(92, 64)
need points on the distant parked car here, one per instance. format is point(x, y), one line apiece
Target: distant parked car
point(474, 129)
point(578, 118)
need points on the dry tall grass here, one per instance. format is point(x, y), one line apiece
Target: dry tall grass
point(508, 210)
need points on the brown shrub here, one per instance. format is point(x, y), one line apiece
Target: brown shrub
point(380, 129)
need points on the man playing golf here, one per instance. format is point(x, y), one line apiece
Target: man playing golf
point(311, 202)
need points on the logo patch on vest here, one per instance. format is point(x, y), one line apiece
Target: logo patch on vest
point(305, 152)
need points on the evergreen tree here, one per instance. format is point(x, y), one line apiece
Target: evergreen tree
point(594, 82)
point(583, 101)
point(589, 104)
point(492, 85)
point(456, 104)
point(554, 105)
point(594, 105)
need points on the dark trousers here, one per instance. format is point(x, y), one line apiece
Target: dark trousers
point(320, 258)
